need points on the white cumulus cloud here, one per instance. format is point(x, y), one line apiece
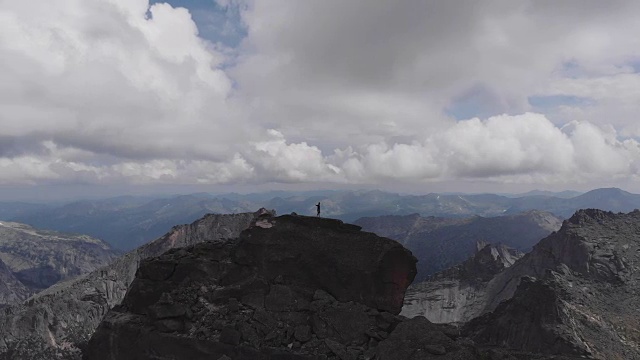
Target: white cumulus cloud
point(320, 91)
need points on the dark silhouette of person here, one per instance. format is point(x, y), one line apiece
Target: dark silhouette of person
point(318, 208)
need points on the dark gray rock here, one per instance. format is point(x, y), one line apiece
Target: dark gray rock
point(418, 338)
point(57, 322)
point(531, 320)
point(230, 336)
point(576, 293)
point(339, 350)
point(360, 271)
point(303, 333)
point(11, 289)
point(284, 298)
point(322, 282)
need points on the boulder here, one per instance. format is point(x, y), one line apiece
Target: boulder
point(419, 339)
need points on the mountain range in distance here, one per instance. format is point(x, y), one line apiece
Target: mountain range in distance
point(593, 254)
point(32, 260)
point(440, 243)
point(127, 222)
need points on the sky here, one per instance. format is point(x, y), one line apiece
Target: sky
point(126, 96)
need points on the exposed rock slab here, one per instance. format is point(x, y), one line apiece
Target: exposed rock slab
point(418, 339)
point(11, 289)
point(57, 322)
point(239, 300)
point(458, 294)
point(576, 292)
point(339, 258)
point(291, 288)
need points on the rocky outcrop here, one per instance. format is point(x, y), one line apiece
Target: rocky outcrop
point(536, 319)
point(11, 289)
point(57, 322)
point(458, 294)
point(333, 256)
point(576, 292)
point(41, 258)
point(308, 288)
point(593, 244)
point(290, 287)
point(441, 243)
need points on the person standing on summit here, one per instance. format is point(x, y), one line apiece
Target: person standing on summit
point(318, 208)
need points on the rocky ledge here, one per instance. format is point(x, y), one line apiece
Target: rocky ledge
point(289, 287)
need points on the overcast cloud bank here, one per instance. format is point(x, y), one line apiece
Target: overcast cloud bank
point(117, 91)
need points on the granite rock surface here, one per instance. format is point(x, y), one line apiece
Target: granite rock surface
point(289, 287)
point(58, 322)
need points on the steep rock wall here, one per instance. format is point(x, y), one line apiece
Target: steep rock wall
point(60, 320)
point(290, 287)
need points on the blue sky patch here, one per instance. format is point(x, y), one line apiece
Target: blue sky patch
point(552, 101)
point(478, 101)
point(571, 69)
point(218, 24)
point(635, 65)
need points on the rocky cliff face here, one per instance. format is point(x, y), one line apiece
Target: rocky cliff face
point(38, 259)
point(309, 288)
point(458, 294)
point(11, 289)
point(576, 293)
point(57, 322)
point(289, 287)
point(590, 273)
point(441, 243)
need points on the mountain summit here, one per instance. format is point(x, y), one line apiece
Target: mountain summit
point(575, 293)
point(290, 287)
